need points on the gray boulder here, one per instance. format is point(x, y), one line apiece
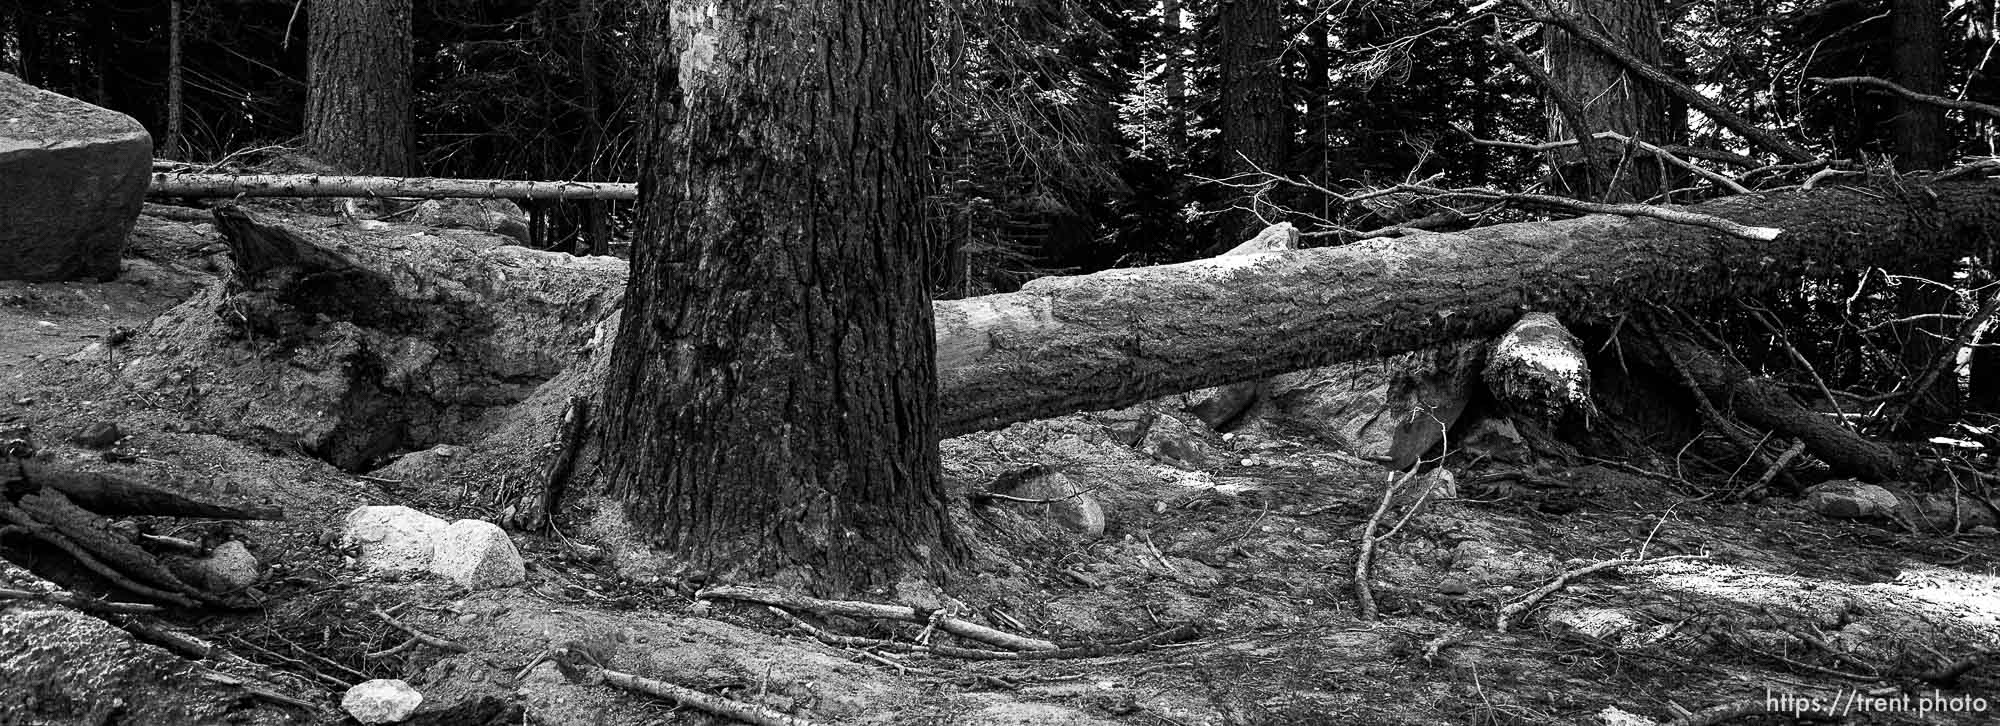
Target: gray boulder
point(1849, 499)
point(73, 176)
point(477, 555)
point(392, 539)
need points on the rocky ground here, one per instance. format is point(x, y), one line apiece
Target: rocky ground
point(1252, 536)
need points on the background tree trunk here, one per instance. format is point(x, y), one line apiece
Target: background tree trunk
point(359, 90)
point(171, 148)
point(1256, 116)
point(771, 399)
point(1612, 99)
point(1917, 136)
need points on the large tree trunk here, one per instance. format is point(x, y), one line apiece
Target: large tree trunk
point(1611, 99)
point(1918, 132)
point(1256, 116)
point(1119, 337)
point(771, 399)
point(1918, 137)
point(359, 90)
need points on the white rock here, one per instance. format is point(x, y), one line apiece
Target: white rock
point(383, 700)
point(230, 567)
point(395, 539)
point(477, 554)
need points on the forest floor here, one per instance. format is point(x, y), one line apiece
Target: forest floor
point(1257, 546)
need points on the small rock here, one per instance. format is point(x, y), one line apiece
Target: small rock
point(383, 700)
point(394, 539)
point(229, 567)
point(1849, 499)
point(1453, 586)
point(98, 435)
point(1615, 716)
point(477, 555)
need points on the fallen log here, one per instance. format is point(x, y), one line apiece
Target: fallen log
point(166, 184)
point(112, 495)
point(1116, 338)
point(1066, 344)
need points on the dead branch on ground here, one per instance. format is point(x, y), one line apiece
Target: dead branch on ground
point(1508, 613)
point(426, 638)
point(859, 609)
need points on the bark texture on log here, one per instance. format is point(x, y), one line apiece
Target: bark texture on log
point(1119, 337)
point(320, 185)
point(1766, 404)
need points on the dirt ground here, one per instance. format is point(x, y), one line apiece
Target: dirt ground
point(1257, 546)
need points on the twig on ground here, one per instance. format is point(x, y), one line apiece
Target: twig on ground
point(259, 691)
point(859, 609)
point(1364, 557)
point(1508, 613)
point(746, 712)
point(1725, 712)
point(73, 600)
point(428, 639)
point(1084, 649)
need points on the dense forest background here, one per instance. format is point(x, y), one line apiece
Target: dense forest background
point(1068, 135)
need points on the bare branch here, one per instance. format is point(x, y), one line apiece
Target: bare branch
point(1707, 106)
point(1909, 95)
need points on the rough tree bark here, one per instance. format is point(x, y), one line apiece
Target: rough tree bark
point(1918, 132)
point(171, 148)
point(770, 404)
point(1918, 138)
point(1119, 337)
point(359, 89)
point(1611, 98)
point(1256, 116)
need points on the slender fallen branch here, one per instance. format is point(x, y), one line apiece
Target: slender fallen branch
point(1089, 649)
point(1508, 613)
point(1725, 712)
point(314, 185)
point(79, 602)
point(1364, 558)
point(746, 712)
point(427, 638)
point(1909, 95)
point(858, 609)
point(1951, 671)
point(1660, 152)
point(1666, 214)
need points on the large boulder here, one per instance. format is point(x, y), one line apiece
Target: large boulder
point(73, 176)
point(1390, 411)
point(392, 538)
